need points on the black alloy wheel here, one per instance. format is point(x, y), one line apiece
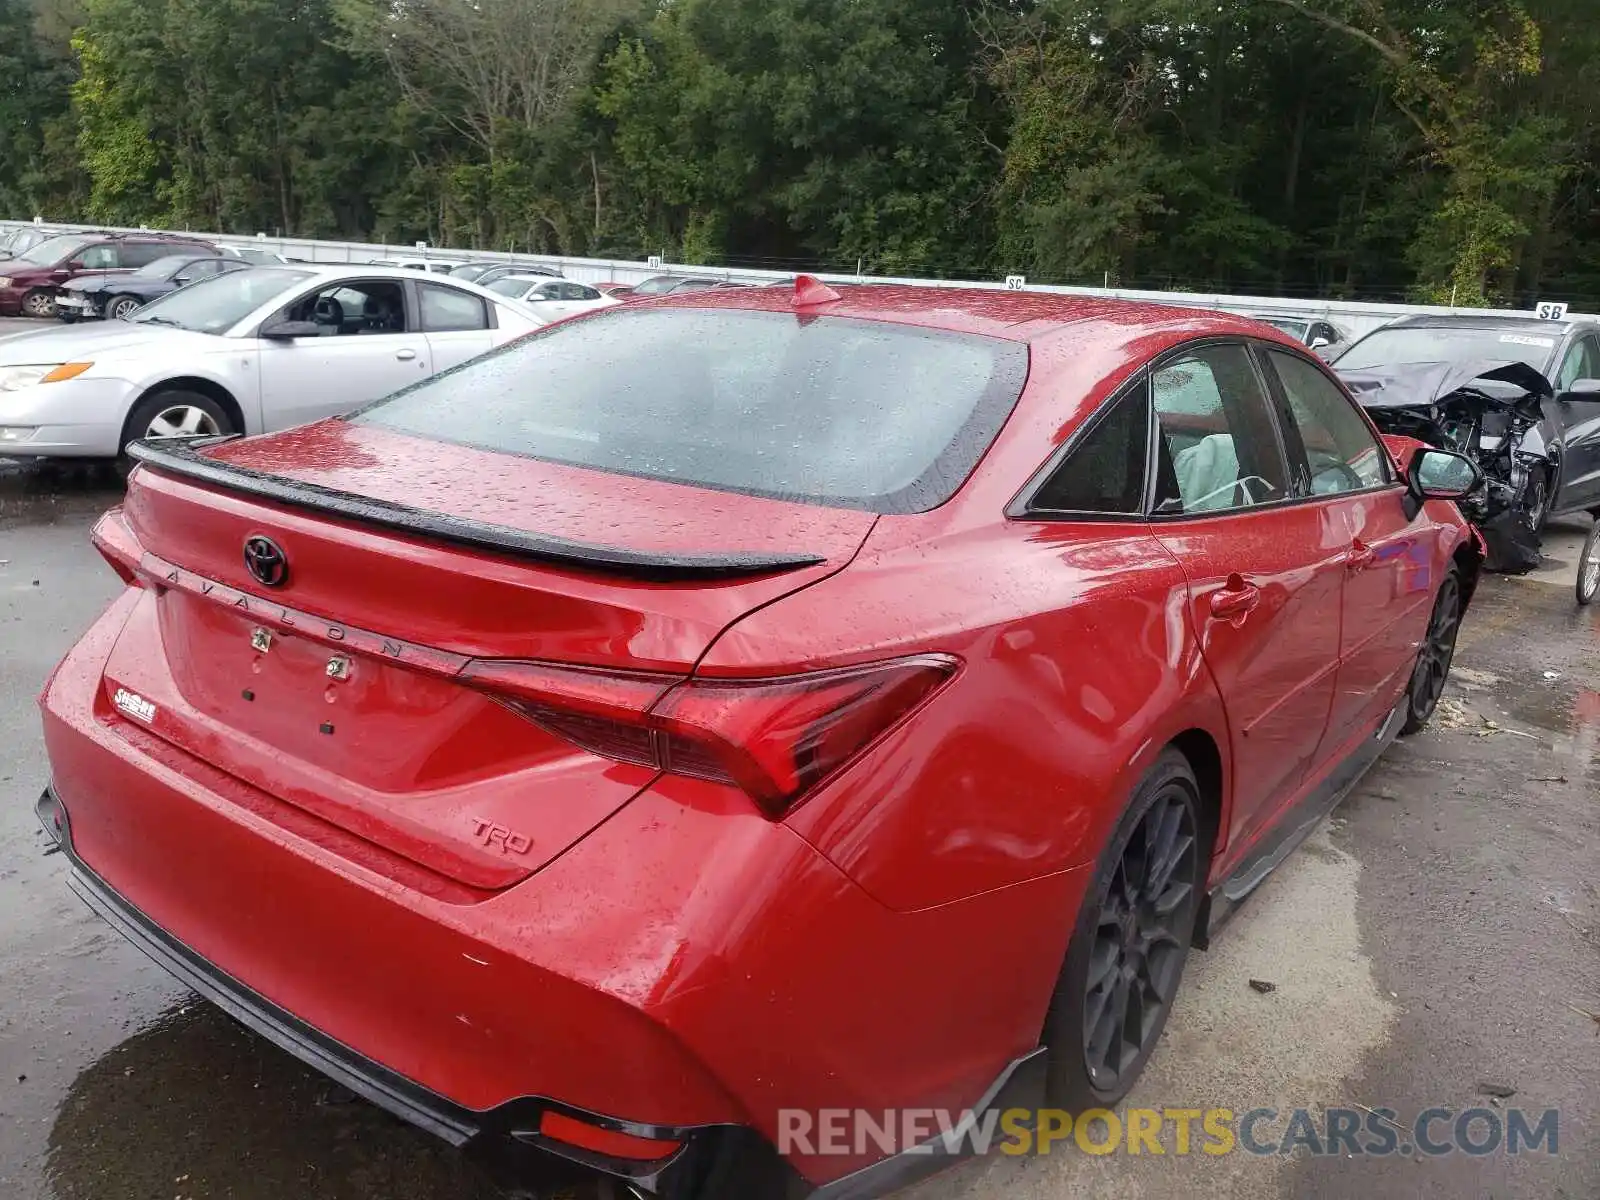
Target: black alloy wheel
point(1132, 939)
point(1437, 653)
point(1146, 920)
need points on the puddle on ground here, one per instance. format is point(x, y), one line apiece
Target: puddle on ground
point(198, 1107)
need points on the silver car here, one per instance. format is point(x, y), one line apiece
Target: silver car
point(256, 350)
point(553, 299)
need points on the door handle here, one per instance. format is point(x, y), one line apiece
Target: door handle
point(405, 355)
point(1236, 599)
point(1360, 556)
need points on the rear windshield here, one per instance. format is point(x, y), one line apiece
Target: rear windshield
point(836, 411)
point(1408, 345)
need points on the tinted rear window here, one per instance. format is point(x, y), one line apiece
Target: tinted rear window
point(858, 414)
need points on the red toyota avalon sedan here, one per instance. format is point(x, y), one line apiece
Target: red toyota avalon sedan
point(708, 715)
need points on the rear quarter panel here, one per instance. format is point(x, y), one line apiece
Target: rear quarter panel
point(1078, 666)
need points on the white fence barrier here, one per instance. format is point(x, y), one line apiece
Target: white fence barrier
point(1356, 317)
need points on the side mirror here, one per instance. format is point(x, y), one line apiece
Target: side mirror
point(287, 331)
point(77, 264)
point(1582, 389)
point(180, 280)
point(1318, 342)
point(1442, 475)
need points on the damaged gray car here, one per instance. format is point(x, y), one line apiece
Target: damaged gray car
point(1483, 387)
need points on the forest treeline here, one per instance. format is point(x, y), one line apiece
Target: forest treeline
point(1422, 149)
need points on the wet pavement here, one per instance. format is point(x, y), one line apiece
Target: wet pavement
point(1440, 934)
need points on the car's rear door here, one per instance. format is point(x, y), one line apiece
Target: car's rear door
point(1265, 573)
point(455, 322)
point(1390, 574)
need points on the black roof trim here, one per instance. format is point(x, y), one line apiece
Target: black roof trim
point(184, 459)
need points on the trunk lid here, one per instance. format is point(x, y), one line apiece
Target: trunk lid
point(337, 691)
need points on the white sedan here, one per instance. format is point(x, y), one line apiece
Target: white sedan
point(551, 298)
point(252, 351)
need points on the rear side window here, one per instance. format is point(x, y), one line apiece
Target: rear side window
point(142, 254)
point(445, 310)
point(829, 410)
point(1104, 471)
point(103, 257)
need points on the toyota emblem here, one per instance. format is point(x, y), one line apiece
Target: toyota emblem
point(268, 564)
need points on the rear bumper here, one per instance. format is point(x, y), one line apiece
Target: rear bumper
point(507, 1136)
point(398, 1095)
point(685, 973)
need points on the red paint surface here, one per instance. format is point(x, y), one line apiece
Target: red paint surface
point(664, 951)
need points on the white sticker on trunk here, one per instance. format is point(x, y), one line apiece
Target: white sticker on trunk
point(134, 706)
point(1520, 339)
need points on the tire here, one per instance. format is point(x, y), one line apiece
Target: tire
point(195, 415)
point(1589, 567)
point(1438, 652)
point(1095, 1058)
point(39, 304)
point(119, 307)
point(1541, 495)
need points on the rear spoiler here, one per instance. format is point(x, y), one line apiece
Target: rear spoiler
point(184, 459)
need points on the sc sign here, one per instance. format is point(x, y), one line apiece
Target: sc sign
point(1550, 311)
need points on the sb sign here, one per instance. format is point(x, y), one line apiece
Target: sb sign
point(1551, 311)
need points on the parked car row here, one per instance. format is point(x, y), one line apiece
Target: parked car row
point(15, 241)
point(29, 283)
point(84, 269)
point(247, 350)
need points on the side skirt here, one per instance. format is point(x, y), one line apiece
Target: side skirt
point(1224, 899)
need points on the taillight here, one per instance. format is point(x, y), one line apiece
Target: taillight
point(602, 712)
point(779, 738)
point(775, 739)
point(118, 545)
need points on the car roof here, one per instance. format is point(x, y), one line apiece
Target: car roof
point(363, 270)
point(1033, 317)
point(1489, 321)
